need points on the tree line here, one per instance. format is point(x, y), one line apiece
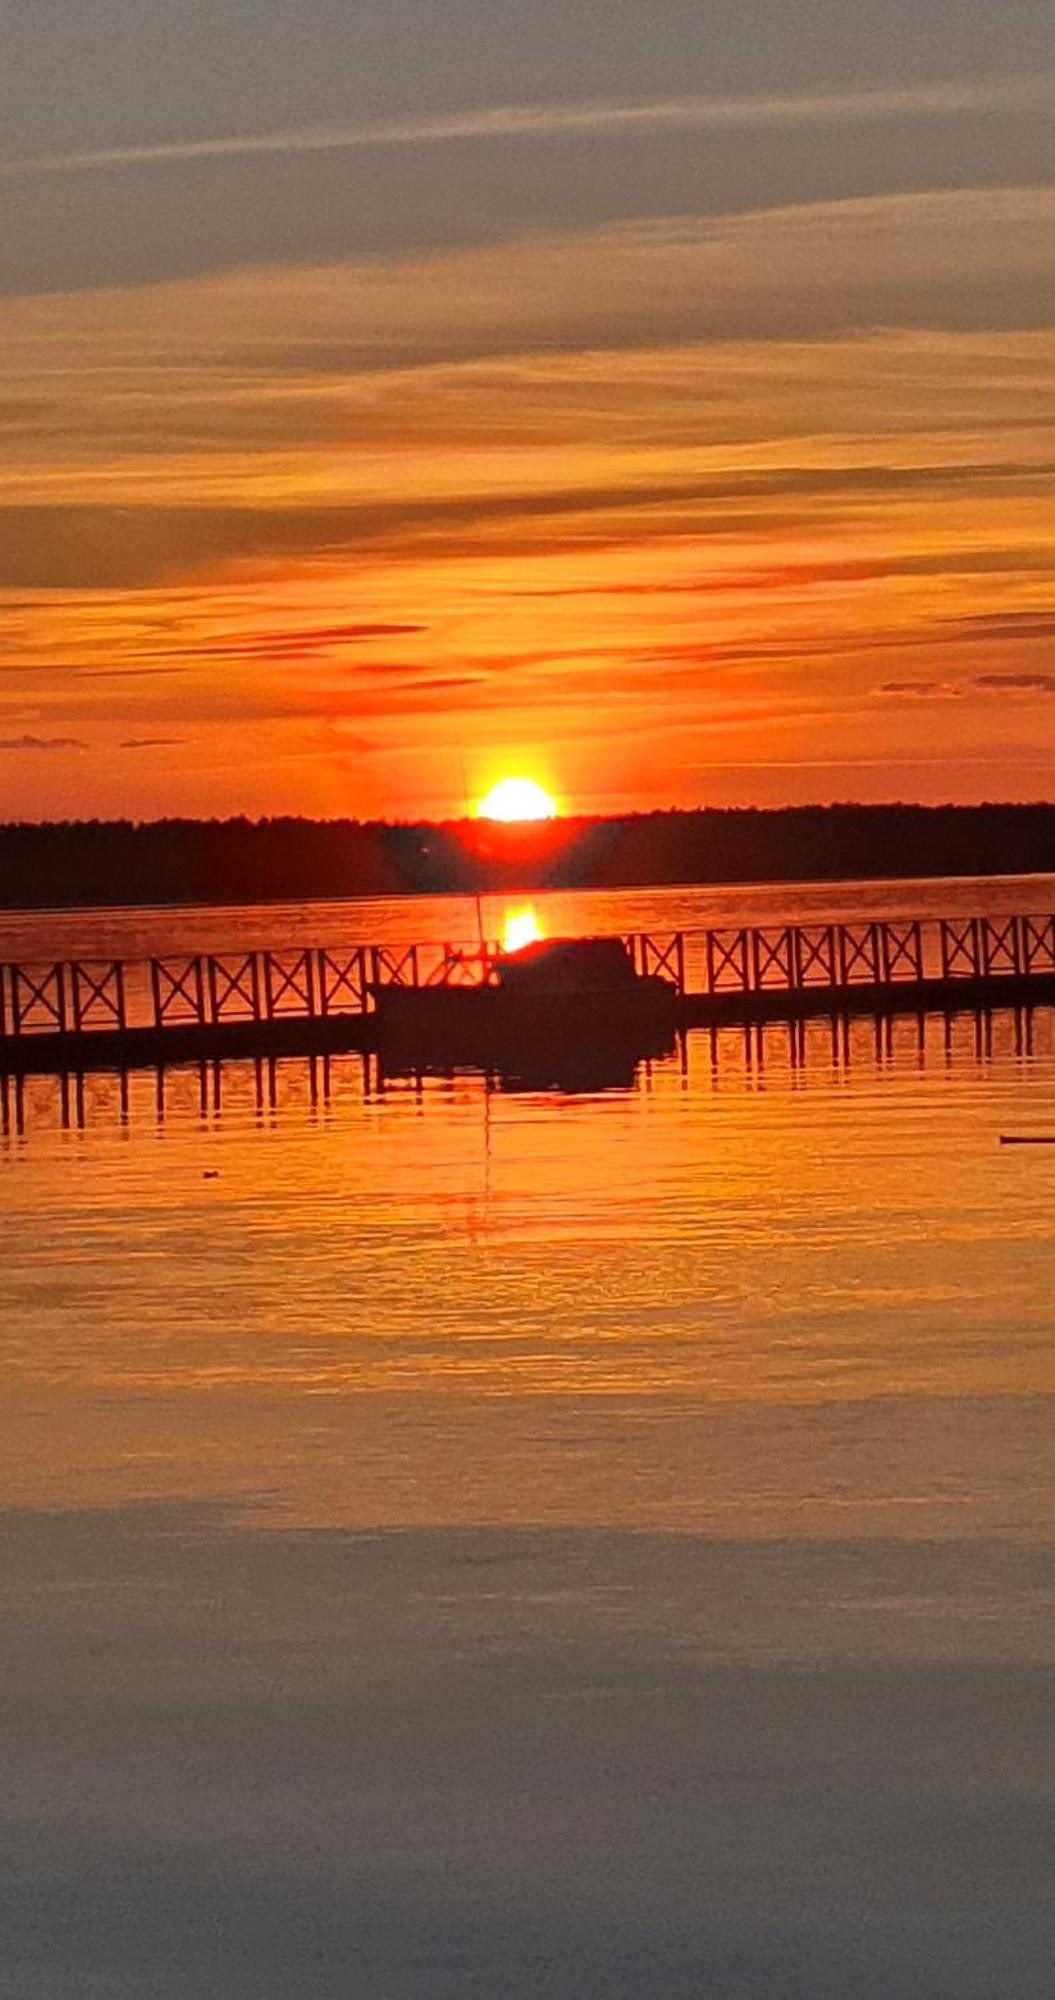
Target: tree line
point(108, 862)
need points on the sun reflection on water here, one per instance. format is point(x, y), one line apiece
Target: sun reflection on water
point(521, 929)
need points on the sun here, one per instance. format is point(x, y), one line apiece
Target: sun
point(517, 798)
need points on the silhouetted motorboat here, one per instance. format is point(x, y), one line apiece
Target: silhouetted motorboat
point(506, 1010)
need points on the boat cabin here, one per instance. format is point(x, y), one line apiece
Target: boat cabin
point(567, 965)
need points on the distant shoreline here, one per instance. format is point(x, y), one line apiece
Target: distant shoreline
point(59, 867)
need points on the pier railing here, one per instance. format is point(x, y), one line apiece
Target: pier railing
point(793, 958)
point(211, 990)
point(85, 997)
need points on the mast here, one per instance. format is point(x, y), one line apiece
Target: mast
point(481, 942)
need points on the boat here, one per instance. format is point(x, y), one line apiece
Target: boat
point(516, 1012)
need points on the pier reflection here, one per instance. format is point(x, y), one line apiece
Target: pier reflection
point(771, 1055)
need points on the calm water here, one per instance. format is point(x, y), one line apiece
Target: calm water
point(439, 919)
point(467, 1543)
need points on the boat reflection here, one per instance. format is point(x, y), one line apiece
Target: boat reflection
point(797, 1055)
point(577, 1072)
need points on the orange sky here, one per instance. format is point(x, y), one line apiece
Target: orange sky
point(668, 510)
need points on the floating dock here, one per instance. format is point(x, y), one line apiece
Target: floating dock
point(72, 1016)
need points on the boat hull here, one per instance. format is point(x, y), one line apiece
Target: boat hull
point(488, 1027)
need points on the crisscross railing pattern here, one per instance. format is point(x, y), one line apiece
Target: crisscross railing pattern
point(177, 988)
point(1001, 946)
point(772, 960)
point(98, 996)
point(1038, 944)
point(394, 965)
point(658, 957)
point(961, 956)
point(234, 988)
point(290, 985)
point(728, 961)
point(343, 979)
point(900, 950)
point(205, 991)
point(815, 963)
point(462, 965)
point(859, 958)
point(39, 999)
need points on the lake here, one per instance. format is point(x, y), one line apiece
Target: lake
point(475, 1542)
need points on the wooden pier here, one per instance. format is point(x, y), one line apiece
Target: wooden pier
point(73, 1015)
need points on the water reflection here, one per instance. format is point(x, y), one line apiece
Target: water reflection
point(785, 1277)
point(526, 1539)
point(817, 1051)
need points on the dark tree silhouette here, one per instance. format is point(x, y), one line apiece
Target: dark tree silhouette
point(238, 860)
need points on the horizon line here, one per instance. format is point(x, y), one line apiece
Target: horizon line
point(518, 828)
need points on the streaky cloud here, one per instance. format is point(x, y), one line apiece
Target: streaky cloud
point(152, 742)
point(918, 690)
point(1016, 683)
point(554, 120)
point(29, 742)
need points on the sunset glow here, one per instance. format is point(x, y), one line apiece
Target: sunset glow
point(517, 799)
point(683, 429)
point(527, 998)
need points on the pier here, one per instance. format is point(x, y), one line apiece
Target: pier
point(74, 1016)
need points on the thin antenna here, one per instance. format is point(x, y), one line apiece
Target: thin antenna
point(467, 803)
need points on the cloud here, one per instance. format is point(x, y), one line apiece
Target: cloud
point(924, 690)
point(791, 576)
point(272, 360)
point(1015, 683)
point(42, 743)
point(292, 496)
point(152, 742)
point(296, 643)
point(556, 120)
point(127, 673)
point(1008, 624)
point(78, 546)
point(106, 548)
point(986, 684)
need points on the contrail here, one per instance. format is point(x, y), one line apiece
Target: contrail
point(541, 121)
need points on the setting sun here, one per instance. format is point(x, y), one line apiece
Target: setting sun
point(517, 799)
